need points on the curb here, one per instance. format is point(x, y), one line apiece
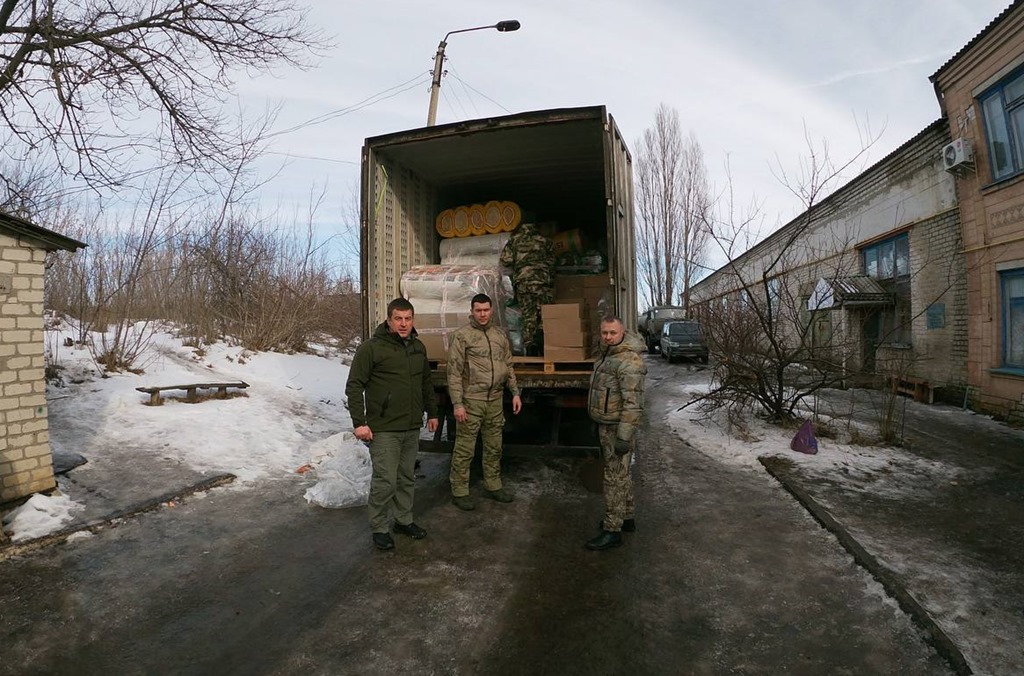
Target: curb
point(8, 551)
point(889, 580)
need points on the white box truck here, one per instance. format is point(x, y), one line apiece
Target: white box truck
point(570, 166)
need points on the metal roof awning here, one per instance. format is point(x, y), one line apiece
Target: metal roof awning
point(852, 291)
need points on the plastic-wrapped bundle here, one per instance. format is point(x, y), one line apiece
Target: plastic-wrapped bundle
point(439, 289)
point(482, 250)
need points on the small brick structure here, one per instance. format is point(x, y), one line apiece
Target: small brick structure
point(26, 465)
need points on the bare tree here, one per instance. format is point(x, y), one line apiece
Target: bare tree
point(673, 204)
point(769, 350)
point(80, 78)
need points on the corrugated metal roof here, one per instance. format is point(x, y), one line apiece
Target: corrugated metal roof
point(984, 31)
point(46, 239)
point(860, 290)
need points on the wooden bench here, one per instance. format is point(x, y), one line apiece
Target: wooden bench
point(190, 390)
point(918, 388)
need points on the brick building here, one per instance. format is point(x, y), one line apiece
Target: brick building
point(26, 465)
point(981, 94)
point(876, 270)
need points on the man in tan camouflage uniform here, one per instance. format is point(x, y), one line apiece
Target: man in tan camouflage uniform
point(616, 404)
point(479, 367)
point(531, 257)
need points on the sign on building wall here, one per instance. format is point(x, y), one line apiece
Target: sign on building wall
point(936, 314)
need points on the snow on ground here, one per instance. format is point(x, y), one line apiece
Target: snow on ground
point(41, 515)
point(287, 418)
point(713, 437)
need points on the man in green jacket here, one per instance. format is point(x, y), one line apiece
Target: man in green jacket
point(616, 404)
point(388, 391)
point(479, 367)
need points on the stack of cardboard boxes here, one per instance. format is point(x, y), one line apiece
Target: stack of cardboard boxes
point(593, 290)
point(566, 331)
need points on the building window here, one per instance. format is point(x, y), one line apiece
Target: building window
point(1012, 283)
point(1002, 108)
point(889, 263)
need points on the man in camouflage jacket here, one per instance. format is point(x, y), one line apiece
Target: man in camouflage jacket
point(479, 368)
point(531, 257)
point(616, 404)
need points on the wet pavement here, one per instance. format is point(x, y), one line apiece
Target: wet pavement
point(942, 525)
point(727, 573)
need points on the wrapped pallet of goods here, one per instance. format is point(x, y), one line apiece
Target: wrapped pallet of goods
point(440, 293)
point(484, 250)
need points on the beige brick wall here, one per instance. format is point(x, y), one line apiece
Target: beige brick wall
point(26, 465)
point(991, 214)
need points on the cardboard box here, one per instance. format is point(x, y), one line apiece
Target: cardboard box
point(434, 331)
point(566, 333)
point(568, 287)
point(575, 310)
point(565, 353)
point(449, 321)
point(436, 344)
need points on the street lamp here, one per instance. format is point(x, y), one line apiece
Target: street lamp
point(435, 85)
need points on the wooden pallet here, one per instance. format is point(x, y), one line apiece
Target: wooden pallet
point(542, 365)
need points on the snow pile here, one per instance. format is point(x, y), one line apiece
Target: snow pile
point(39, 516)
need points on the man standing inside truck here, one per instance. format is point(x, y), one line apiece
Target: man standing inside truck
point(388, 391)
point(616, 404)
point(531, 257)
point(479, 367)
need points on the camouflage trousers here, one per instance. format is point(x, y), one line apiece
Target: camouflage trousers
point(529, 299)
point(487, 418)
point(618, 485)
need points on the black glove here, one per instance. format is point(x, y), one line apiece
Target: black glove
point(622, 447)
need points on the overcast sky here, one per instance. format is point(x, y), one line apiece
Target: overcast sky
point(747, 77)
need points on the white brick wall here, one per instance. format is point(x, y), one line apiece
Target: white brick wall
point(26, 465)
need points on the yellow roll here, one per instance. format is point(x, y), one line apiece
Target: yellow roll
point(477, 226)
point(460, 222)
point(510, 216)
point(445, 223)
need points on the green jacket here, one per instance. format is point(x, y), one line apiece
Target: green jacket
point(479, 364)
point(394, 377)
point(617, 386)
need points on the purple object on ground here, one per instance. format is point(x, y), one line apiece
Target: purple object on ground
point(804, 441)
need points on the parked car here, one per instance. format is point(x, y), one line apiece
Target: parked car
point(683, 339)
point(654, 319)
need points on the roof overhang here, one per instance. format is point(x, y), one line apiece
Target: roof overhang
point(853, 291)
point(36, 235)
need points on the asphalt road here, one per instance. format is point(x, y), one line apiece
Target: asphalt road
point(725, 574)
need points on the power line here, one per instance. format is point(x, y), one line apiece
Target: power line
point(369, 101)
point(466, 84)
point(310, 157)
point(469, 97)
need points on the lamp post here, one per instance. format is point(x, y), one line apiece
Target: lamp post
point(435, 85)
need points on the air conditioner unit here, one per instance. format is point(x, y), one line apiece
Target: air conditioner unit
point(957, 154)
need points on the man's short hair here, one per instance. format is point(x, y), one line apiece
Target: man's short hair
point(400, 304)
point(611, 319)
point(480, 298)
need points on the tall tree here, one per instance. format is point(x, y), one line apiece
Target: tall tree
point(673, 198)
point(96, 82)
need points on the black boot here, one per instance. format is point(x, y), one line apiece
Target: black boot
point(606, 540)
